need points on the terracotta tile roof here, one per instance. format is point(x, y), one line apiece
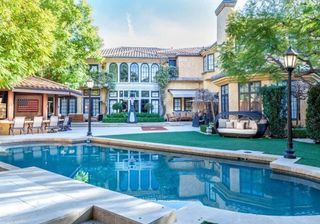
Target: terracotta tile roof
point(150, 52)
point(38, 83)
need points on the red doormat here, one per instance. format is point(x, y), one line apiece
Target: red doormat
point(153, 128)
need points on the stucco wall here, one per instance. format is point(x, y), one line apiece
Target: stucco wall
point(190, 66)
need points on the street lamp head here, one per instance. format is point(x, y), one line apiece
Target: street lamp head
point(90, 83)
point(290, 59)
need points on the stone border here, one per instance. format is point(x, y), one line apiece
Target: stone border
point(277, 163)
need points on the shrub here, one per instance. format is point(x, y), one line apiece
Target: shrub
point(313, 113)
point(299, 133)
point(203, 128)
point(117, 107)
point(123, 116)
point(275, 109)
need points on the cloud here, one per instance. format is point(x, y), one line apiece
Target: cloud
point(130, 26)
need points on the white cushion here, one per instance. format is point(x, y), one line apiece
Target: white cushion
point(229, 124)
point(237, 131)
point(240, 125)
point(222, 123)
point(253, 125)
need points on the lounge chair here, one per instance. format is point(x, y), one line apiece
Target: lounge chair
point(37, 124)
point(18, 124)
point(65, 126)
point(54, 124)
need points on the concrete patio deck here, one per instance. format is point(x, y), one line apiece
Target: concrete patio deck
point(79, 131)
point(33, 195)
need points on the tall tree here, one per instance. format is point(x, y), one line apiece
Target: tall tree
point(76, 40)
point(47, 38)
point(26, 39)
point(261, 33)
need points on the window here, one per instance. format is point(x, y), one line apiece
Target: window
point(134, 93)
point(172, 62)
point(111, 103)
point(64, 106)
point(68, 105)
point(94, 68)
point(143, 103)
point(208, 63)
point(113, 71)
point(188, 104)
point(225, 98)
point(144, 73)
point(113, 94)
point(72, 105)
point(155, 94)
point(294, 103)
point(177, 104)
point(145, 94)
point(124, 72)
point(294, 108)
point(95, 106)
point(249, 97)
point(155, 106)
point(154, 70)
point(134, 72)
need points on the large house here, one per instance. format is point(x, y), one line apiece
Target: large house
point(134, 69)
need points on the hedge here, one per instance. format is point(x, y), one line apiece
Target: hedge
point(299, 133)
point(313, 113)
point(275, 109)
point(123, 117)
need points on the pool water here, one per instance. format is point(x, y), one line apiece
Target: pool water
point(175, 180)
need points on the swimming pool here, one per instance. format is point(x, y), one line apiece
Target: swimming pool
point(175, 180)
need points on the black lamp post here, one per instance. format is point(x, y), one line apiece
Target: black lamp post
point(90, 84)
point(290, 60)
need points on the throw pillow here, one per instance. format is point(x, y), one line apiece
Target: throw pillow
point(222, 123)
point(240, 125)
point(229, 124)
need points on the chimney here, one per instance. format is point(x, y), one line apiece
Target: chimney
point(222, 13)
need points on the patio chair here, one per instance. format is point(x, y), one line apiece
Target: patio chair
point(37, 124)
point(65, 126)
point(54, 124)
point(18, 124)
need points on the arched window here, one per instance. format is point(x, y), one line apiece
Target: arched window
point(154, 70)
point(113, 71)
point(134, 72)
point(144, 73)
point(124, 72)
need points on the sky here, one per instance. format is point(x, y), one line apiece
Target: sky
point(156, 23)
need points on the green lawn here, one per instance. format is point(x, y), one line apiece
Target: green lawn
point(310, 153)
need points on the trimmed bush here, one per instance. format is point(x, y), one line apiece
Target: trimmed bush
point(117, 106)
point(275, 109)
point(313, 113)
point(123, 117)
point(203, 128)
point(299, 133)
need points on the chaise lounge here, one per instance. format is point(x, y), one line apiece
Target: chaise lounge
point(241, 124)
